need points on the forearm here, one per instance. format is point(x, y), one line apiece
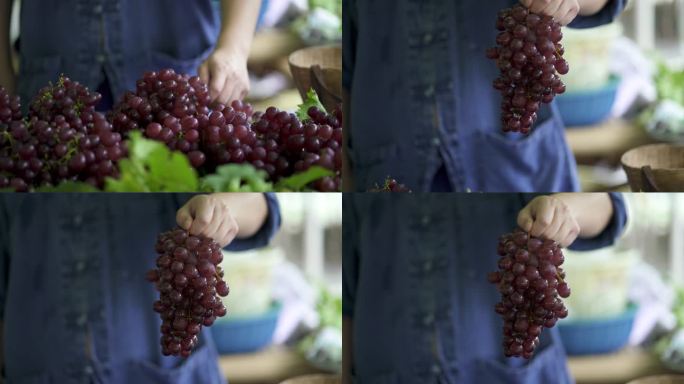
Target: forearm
point(346, 350)
point(249, 210)
point(593, 211)
point(591, 7)
point(238, 22)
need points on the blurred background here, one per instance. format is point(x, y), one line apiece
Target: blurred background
point(625, 92)
point(285, 307)
point(626, 311)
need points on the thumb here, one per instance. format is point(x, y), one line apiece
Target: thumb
point(183, 218)
point(525, 219)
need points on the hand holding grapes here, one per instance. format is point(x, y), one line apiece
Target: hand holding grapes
point(564, 11)
point(209, 216)
point(225, 72)
point(551, 218)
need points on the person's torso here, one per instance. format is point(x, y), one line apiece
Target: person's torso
point(424, 310)
point(123, 38)
point(422, 95)
point(78, 308)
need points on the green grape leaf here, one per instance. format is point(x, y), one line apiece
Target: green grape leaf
point(69, 186)
point(236, 178)
point(152, 167)
point(312, 100)
point(299, 181)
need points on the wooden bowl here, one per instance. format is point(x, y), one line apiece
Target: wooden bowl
point(319, 68)
point(660, 379)
point(655, 168)
point(314, 379)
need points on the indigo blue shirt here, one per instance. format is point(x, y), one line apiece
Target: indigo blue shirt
point(422, 98)
point(415, 284)
point(74, 302)
point(86, 39)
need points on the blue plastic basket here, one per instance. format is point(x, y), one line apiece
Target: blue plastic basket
point(584, 108)
point(245, 334)
point(584, 337)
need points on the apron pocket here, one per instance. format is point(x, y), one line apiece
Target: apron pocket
point(159, 60)
point(372, 165)
point(540, 162)
point(36, 73)
point(547, 366)
point(200, 367)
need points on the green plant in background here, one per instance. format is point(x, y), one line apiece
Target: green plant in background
point(321, 24)
point(323, 347)
point(670, 347)
point(669, 83)
point(664, 119)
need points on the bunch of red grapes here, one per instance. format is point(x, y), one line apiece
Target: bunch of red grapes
point(177, 110)
point(62, 138)
point(529, 56)
point(190, 284)
point(530, 280)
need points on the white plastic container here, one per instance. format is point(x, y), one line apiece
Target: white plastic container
point(599, 281)
point(250, 278)
point(588, 53)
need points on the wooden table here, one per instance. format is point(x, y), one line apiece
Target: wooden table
point(615, 368)
point(270, 366)
point(607, 141)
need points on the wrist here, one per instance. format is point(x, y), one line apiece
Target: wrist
point(237, 47)
point(591, 7)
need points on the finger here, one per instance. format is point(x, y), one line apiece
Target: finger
point(226, 92)
point(551, 230)
point(571, 10)
point(568, 233)
point(202, 216)
point(217, 84)
point(525, 220)
point(203, 72)
point(526, 3)
point(536, 6)
point(236, 94)
point(183, 217)
point(542, 212)
point(551, 8)
point(213, 228)
point(229, 231)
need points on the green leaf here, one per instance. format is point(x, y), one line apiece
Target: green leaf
point(236, 178)
point(69, 186)
point(312, 100)
point(299, 181)
point(152, 167)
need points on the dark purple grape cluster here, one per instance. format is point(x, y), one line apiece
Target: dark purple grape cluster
point(190, 284)
point(62, 138)
point(177, 110)
point(293, 146)
point(391, 185)
point(529, 55)
point(530, 280)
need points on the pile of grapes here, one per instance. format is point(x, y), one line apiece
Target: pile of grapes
point(63, 138)
point(529, 56)
point(176, 109)
point(190, 287)
point(530, 281)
